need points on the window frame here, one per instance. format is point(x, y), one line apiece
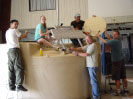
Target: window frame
point(30, 10)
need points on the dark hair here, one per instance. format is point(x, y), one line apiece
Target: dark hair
point(45, 26)
point(117, 32)
point(12, 21)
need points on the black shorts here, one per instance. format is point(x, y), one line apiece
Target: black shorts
point(118, 70)
point(108, 63)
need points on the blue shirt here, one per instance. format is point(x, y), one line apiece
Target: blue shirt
point(37, 31)
point(116, 49)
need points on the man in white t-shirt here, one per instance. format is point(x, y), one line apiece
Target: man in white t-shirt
point(90, 52)
point(15, 64)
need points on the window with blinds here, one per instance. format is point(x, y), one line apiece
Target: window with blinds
point(41, 5)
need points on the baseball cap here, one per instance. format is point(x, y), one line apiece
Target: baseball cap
point(76, 15)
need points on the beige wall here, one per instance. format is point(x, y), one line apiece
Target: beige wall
point(67, 9)
point(114, 11)
point(119, 19)
point(108, 8)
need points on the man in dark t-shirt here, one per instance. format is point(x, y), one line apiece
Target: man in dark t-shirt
point(117, 58)
point(78, 25)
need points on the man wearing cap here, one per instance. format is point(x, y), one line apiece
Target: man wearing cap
point(78, 25)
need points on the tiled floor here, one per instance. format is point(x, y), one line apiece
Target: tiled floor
point(109, 95)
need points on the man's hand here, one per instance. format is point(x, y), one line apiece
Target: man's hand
point(75, 53)
point(26, 33)
point(98, 35)
point(71, 49)
point(107, 35)
point(86, 33)
point(105, 30)
point(76, 28)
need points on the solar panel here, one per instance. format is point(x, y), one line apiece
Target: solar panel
point(67, 33)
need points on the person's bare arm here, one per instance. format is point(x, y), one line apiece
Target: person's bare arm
point(107, 35)
point(76, 49)
point(83, 54)
point(104, 41)
point(86, 33)
point(80, 54)
point(24, 35)
point(43, 34)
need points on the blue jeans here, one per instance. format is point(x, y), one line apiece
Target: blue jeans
point(94, 82)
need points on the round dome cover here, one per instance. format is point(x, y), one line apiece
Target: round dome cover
point(95, 24)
